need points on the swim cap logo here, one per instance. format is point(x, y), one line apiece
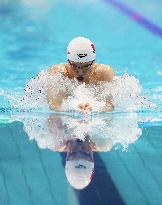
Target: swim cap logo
point(80, 166)
point(81, 55)
point(93, 47)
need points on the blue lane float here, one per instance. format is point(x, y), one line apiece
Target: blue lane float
point(137, 17)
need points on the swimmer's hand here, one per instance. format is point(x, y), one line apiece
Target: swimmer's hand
point(85, 107)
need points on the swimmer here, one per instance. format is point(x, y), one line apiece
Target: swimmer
point(82, 67)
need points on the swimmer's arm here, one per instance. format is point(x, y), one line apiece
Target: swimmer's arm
point(54, 101)
point(63, 149)
point(109, 106)
point(108, 75)
point(100, 148)
point(60, 149)
point(105, 148)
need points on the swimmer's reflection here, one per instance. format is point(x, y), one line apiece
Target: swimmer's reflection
point(79, 138)
point(79, 166)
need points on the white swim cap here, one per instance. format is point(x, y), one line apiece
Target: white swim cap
point(79, 173)
point(81, 50)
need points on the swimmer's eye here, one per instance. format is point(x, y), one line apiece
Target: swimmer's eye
point(88, 65)
point(75, 67)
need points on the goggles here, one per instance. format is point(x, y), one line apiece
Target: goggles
point(84, 66)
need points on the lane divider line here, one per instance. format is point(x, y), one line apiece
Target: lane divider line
point(137, 17)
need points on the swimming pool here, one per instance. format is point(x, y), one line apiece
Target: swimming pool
point(34, 35)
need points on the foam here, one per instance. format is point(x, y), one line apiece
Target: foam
point(54, 131)
point(105, 131)
point(125, 90)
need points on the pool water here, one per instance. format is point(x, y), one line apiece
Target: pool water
point(34, 36)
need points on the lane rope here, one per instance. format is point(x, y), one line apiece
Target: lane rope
point(137, 17)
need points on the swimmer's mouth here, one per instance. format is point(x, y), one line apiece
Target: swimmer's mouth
point(80, 78)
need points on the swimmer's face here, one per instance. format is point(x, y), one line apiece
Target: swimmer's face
point(81, 70)
point(79, 150)
point(79, 155)
point(73, 146)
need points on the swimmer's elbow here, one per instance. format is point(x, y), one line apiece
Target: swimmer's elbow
point(54, 104)
point(109, 105)
point(108, 108)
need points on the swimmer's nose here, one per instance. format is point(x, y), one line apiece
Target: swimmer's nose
point(80, 72)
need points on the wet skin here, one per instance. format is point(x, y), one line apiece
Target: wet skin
point(88, 73)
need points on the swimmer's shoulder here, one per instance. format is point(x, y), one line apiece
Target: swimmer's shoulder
point(58, 68)
point(104, 72)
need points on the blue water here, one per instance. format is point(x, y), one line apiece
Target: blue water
point(34, 36)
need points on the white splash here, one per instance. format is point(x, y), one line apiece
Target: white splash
point(125, 90)
point(54, 131)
